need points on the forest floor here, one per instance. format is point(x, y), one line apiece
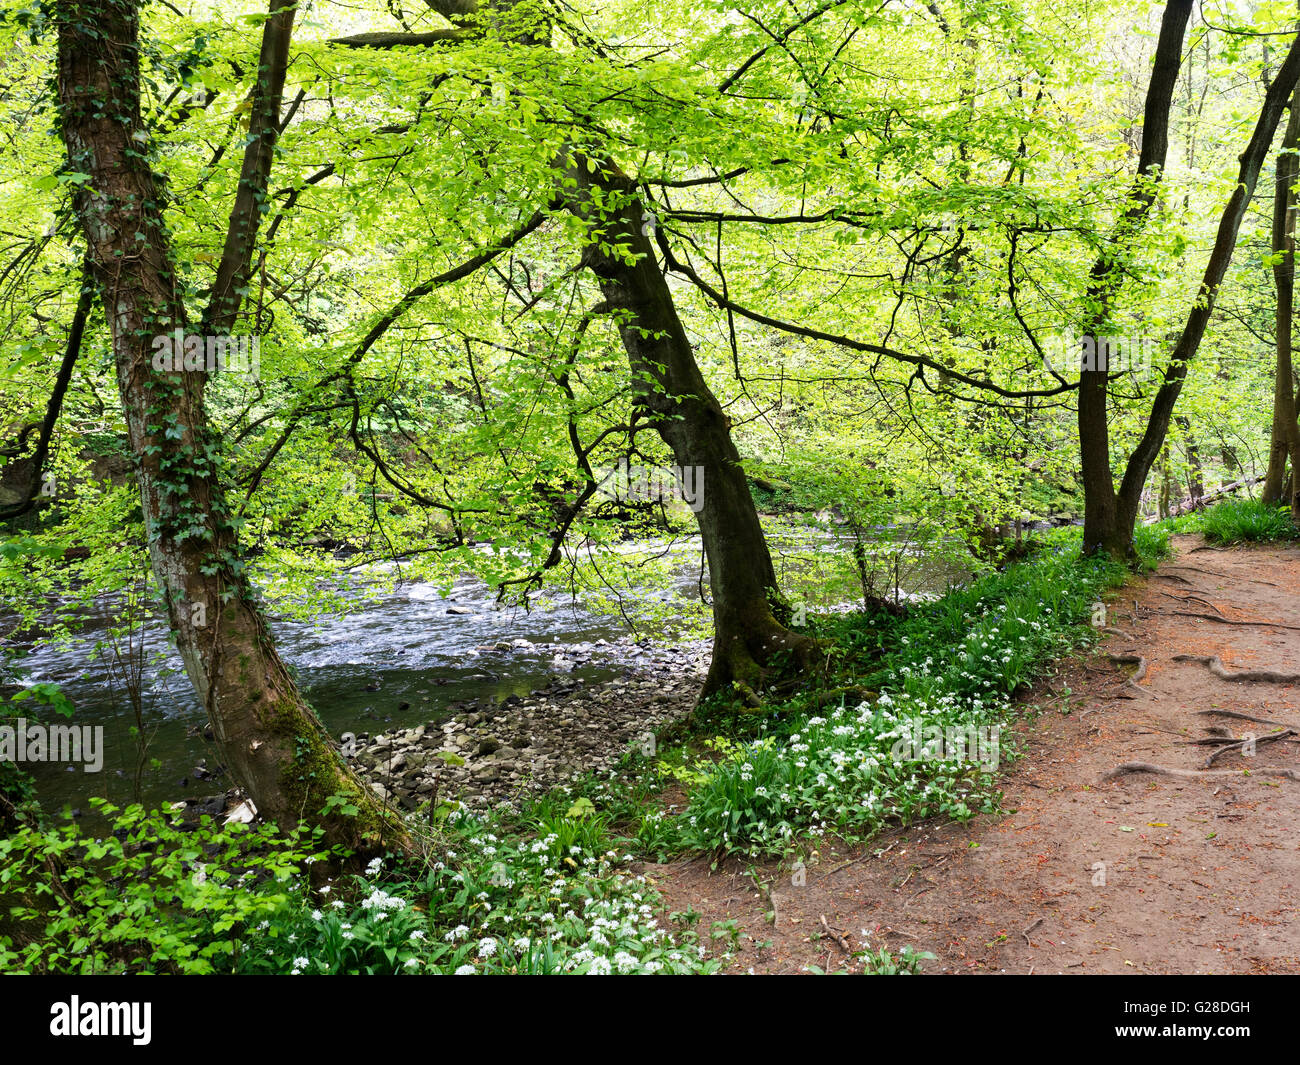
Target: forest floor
point(1142, 873)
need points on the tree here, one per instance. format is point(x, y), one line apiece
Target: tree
point(1108, 518)
point(750, 640)
point(1284, 442)
point(272, 741)
point(1111, 515)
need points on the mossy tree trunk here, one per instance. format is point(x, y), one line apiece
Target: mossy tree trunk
point(273, 743)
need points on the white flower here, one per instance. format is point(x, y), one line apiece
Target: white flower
point(466, 970)
point(487, 947)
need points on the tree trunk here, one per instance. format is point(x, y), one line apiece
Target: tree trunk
point(273, 743)
point(1104, 519)
point(1285, 441)
point(1162, 503)
point(1162, 408)
point(1195, 476)
point(752, 646)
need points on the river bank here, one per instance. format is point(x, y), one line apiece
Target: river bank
point(529, 744)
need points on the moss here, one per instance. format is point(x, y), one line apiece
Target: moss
point(317, 772)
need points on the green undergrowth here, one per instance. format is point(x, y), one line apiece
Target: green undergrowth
point(905, 722)
point(159, 896)
point(917, 728)
point(1235, 521)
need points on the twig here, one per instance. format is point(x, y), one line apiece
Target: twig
point(839, 939)
point(1025, 933)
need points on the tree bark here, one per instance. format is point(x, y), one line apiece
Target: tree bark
point(235, 268)
point(752, 646)
point(1103, 522)
point(1285, 437)
point(273, 743)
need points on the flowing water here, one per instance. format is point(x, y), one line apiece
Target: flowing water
point(408, 657)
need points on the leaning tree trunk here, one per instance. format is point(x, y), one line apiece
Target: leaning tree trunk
point(1106, 527)
point(271, 740)
point(751, 644)
point(1285, 441)
point(1162, 408)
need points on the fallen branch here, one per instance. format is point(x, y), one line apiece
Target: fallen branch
point(1193, 503)
point(839, 939)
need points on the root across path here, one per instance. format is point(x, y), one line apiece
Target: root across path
point(1121, 847)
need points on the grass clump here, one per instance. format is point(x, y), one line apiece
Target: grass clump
point(1235, 521)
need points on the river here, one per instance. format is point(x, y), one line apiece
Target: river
point(411, 655)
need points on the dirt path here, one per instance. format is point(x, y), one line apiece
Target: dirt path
point(1145, 873)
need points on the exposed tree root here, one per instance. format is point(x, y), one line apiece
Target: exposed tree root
point(1240, 745)
point(1265, 676)
point(1130, 768)
point(1133, 681)
point(1246, 717)
point(1193, 598)
point(1217, 573)
point(1228, 621)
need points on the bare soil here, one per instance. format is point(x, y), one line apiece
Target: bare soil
point(1145, 873)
